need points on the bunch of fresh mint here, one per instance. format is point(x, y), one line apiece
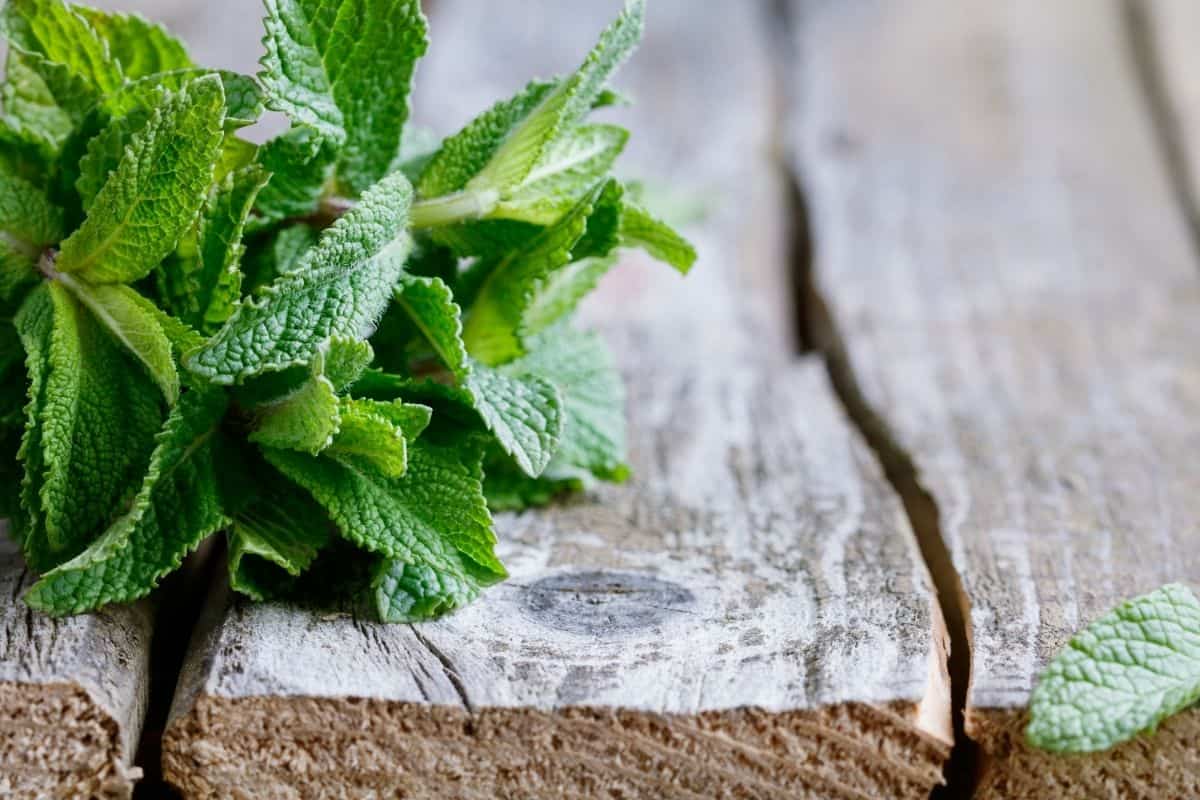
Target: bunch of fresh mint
point(339, 348)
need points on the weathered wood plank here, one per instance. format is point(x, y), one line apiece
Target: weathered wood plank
point(72, 694)
point(1000, 248)
point(748, 617)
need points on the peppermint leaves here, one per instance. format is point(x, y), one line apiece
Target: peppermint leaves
point(340, 349)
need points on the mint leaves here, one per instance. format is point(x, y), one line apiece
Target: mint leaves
point(1122, 676)
point(342, 349)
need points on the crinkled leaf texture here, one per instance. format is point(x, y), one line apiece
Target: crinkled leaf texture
point(435, 518)
point(338, 288)
point(345, 67)
point(176, 508)
point(90, 425)
point(29, 222)
point(153, 195)
point(1122, 676)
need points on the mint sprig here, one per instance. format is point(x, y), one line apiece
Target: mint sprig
point(343, 348)
point(1122, 676)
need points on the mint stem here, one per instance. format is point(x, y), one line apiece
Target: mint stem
point(451, 208)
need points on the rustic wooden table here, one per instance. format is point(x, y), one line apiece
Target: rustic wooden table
point(929, 403)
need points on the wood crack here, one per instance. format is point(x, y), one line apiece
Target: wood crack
point(447, 666)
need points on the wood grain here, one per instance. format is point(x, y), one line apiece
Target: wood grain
point(1000, 248)
point(72, 694)
point(747, 618)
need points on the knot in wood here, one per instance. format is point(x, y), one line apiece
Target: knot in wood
point(602, 603)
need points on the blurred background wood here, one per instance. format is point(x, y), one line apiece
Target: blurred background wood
point(1013, 282)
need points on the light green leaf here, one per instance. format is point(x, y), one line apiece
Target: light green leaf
point(301, 163)
point(59, 33)
point(243, 97)
point(434, 517)
point(90, 425)
point(155, 192)
point(569, 169)
point(141, 48)
point(346, 361)
point(305, 420)
point(405, 592)
point(134, 322)
point(29, 223)
point(42, 101)
point(1122, 676)
point(177, 507)
point(492, 331)
point(430, 305)
point(345, 67)
point(593, 437)
point(279, 527)
point(202, 284)
point(375, 435)
point(339, 288)
point(640, 228)
point(527, 145)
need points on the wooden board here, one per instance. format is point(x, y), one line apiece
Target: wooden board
point(1013, 283)
point(72, 694)
point(748, 617)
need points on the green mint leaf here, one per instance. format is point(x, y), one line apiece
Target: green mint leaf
point(593, 436)
point(279, 527)
point(141, 48)
point(375, 435)
point(104, 153)
point(202, 284)
point(275, 254)
point(346, 361)
point(345, 67)
point(243, 97)
point(134, 322)
point(90, 425)
point(523, 412)
point(492, 331)
point(339, 288)
point(176, 508)
point(60, 34)
point(406, 592)
point(569, 169)
point(301, 162)
point(305, 420)
point(29, 223)
point(43, 101)
point(527, 145)
point(1122, 676)
point(154, 193)
point(435, 516)
point(640, 228)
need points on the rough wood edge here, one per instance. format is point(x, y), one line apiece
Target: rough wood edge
point(1166, 764)
point(58, 740)
point(844, 751)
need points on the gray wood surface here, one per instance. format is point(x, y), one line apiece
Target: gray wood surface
point(748, 617)
point(1012, 278)
point(72, 694)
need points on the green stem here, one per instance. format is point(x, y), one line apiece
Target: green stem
point(451, 208)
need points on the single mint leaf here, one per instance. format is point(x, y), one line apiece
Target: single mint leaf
point(176, 508)
point(640, 228)
point(154, 193)
point(406, 592)
point(528, 144)
point(1122, 676)
point(435, 515)
point(346, 361)
point(134, 322)
point(279, 527)
point(345, 67)
point(339, 288)
point(300, 162)
point(60, 34)
point(306, 420)
point(42, 101)
point(569, 169)
point(90, 425)
point(375, 435)
point(29, 223)
point(202, 283)
point(141, 48)
point(580, 366)
point(430, 305)
point(492, 331)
